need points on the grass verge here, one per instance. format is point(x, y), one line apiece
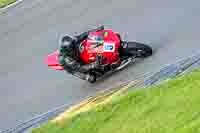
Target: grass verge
point(171, 107)
point(4, 3)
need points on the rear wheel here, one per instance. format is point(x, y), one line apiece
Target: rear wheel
point(139, 50)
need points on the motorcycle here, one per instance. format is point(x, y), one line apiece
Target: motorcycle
point(114, 52)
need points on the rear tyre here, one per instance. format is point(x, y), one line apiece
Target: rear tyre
point(139, 50)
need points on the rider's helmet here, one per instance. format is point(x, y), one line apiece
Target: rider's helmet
point(67, 45)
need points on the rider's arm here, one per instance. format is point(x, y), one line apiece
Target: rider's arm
point(72, 65)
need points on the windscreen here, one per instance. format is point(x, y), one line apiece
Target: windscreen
point(95, 38)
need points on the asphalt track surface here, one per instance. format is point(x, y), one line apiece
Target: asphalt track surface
point(31, 30)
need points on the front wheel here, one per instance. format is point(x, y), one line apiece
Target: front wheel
point(92, 78)
point(139, 50)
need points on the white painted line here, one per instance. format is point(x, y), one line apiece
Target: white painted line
point(10, 6)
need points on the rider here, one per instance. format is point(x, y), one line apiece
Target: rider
point(69, 54)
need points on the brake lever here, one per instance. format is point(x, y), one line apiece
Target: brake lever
point(97, 45)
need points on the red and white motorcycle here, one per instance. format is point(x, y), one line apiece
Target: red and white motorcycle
point(109, 45)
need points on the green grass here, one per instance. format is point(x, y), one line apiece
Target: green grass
point(171, 107)
point(4, 3)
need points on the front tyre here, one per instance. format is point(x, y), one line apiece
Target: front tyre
point(91, 78)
